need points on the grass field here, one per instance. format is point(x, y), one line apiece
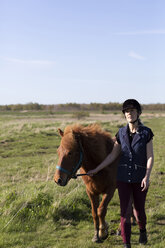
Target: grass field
point(36, 213)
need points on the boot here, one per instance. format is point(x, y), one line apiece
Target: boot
point(143, 238)
point(127, 246)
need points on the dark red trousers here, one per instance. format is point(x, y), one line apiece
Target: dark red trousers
point(131, 193)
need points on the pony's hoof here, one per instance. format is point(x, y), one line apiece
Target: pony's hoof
point(96, 239)
point(104, 237)
point(103, 232)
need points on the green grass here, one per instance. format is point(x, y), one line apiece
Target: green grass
point(36, 213)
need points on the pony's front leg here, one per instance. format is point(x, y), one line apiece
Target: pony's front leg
point(94, 204)
point(102, 210)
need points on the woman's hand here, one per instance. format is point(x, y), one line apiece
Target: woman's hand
point(91, 172)
point(145, 183)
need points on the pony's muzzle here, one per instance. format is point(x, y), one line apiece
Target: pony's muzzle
point(60, 182)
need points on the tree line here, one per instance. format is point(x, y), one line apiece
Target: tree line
point(70, 107)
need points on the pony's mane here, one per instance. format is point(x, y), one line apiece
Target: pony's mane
point(90, 130)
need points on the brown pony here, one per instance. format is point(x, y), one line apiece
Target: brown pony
point(86, 147)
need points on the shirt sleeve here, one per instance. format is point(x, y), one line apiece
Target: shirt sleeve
point(117, 138)
point(150, 136)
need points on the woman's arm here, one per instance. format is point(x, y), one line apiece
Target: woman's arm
point(108, 160)
point(150, 162)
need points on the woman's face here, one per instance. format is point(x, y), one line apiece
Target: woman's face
point(131, 115)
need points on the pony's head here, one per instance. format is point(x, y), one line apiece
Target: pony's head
point(69, 156)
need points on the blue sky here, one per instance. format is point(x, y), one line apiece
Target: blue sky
point(83, 51)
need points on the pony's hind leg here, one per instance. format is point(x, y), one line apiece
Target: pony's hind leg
point(94, 204)
point(102, 210)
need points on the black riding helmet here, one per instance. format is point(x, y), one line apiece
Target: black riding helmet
point(131, 103)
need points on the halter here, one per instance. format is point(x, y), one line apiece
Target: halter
point(74, 169)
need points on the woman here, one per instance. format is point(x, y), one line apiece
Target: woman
point(134, 143)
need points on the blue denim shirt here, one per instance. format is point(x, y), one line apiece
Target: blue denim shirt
point(133, 161)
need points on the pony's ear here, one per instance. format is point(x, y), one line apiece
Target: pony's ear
point(60, 132)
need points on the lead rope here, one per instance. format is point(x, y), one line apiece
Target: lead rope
point(79, 175)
